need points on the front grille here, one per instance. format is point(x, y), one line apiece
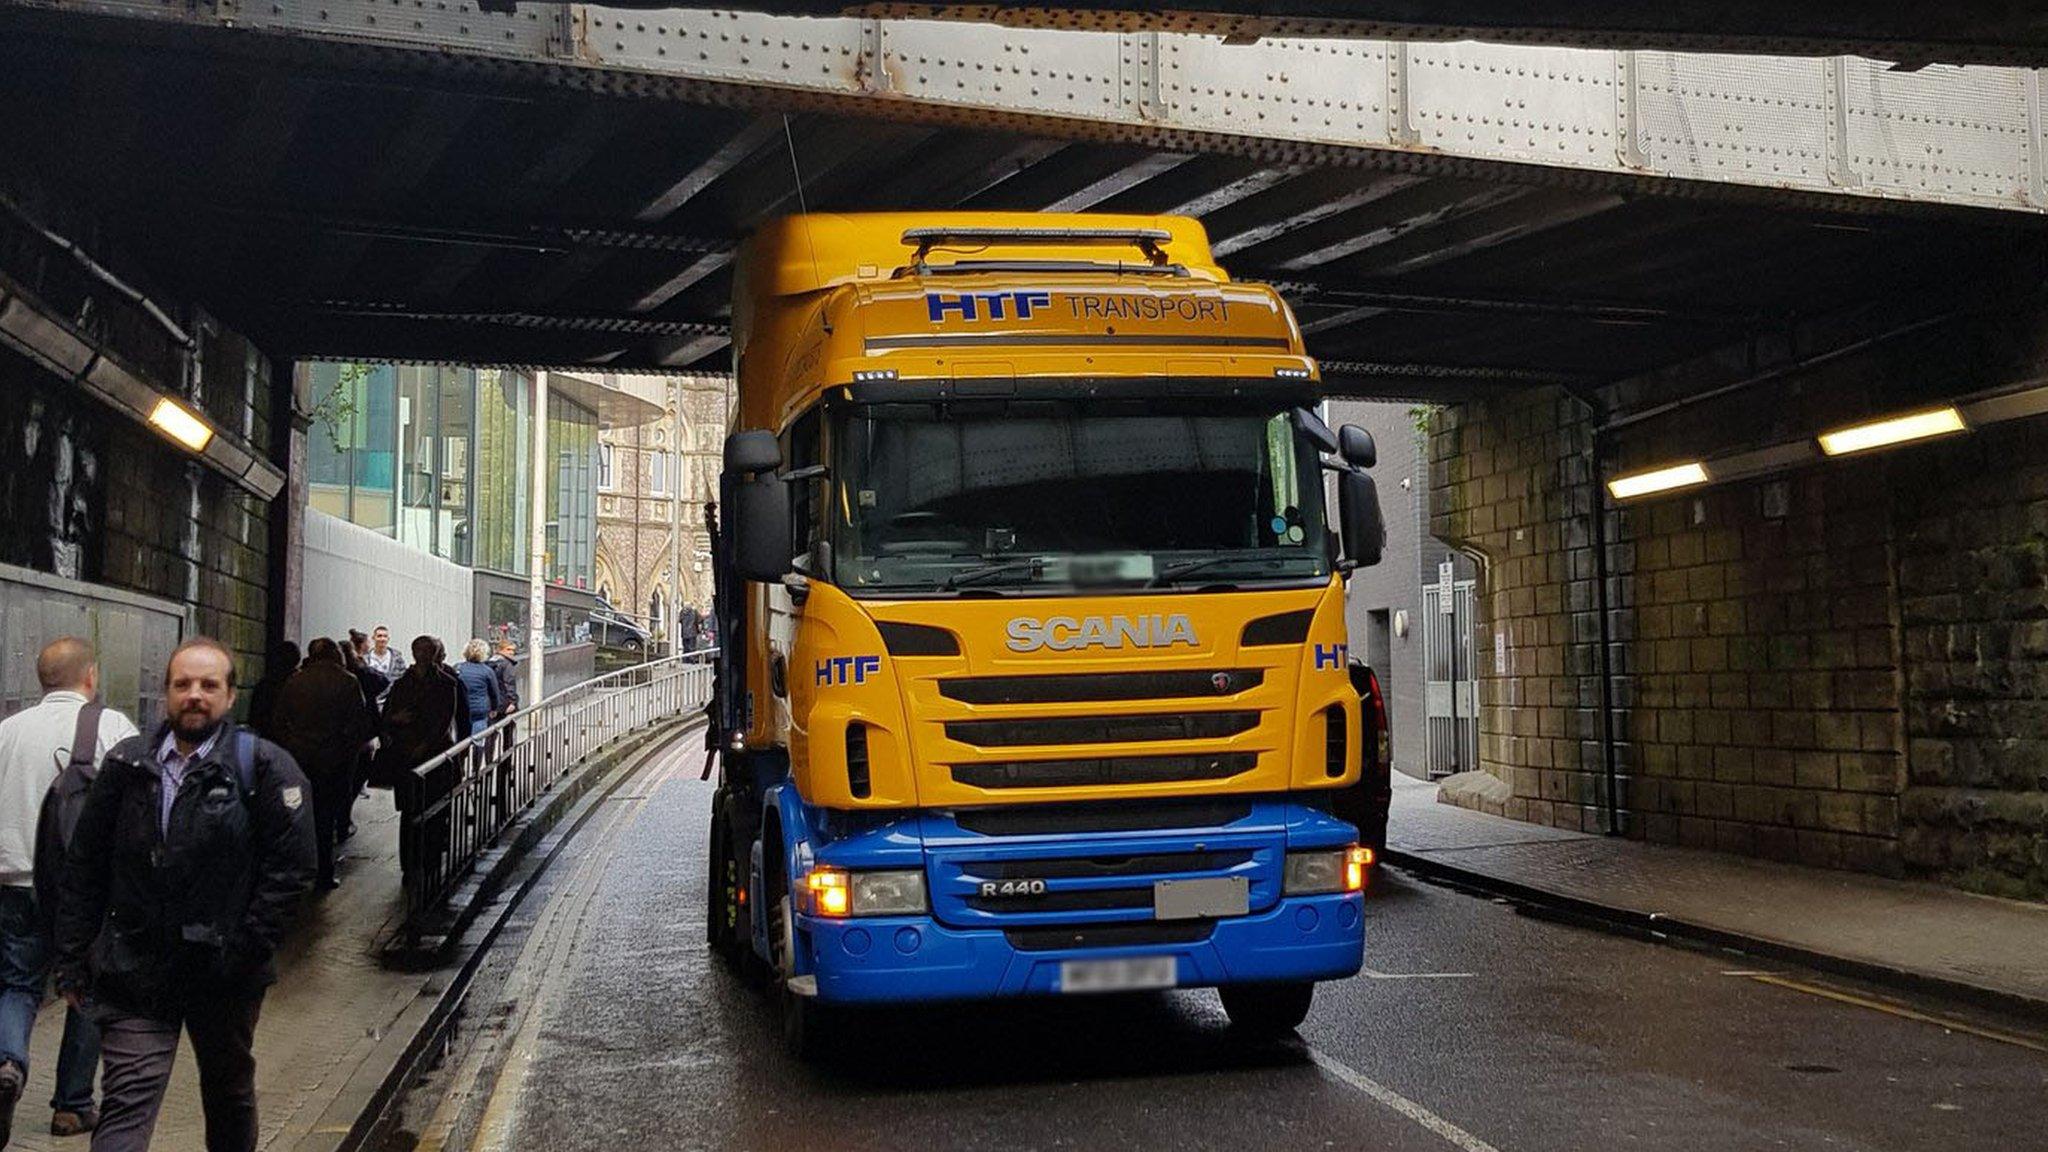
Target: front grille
point(1101, 729)
point(1096, 687)
point(1104, 770)
point(1082, 900)
point(1130, 816)
point(1081, 866)
point(1053, 938)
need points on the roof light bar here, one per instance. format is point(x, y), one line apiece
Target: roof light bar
point(1895, 430)
point(1291, 373)
point(175, 421)
point(1661, 480)
point(867, 375)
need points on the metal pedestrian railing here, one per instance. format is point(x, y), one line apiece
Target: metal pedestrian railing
point(455, 806)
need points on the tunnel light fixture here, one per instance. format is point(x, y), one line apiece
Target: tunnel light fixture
point(1892, 430)
point(1661, 480)
point(179, 423)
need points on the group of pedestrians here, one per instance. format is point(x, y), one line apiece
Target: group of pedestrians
point(151, 878)
point(357, 713)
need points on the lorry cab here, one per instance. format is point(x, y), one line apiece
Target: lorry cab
point(1037, 679)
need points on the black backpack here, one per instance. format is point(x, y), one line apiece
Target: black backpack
point(67, 791)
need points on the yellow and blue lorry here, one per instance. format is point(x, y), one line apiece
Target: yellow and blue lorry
point(1034, 676)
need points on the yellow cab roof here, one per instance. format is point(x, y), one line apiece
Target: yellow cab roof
point(824, 299)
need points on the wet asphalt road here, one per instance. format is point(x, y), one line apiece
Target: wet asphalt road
point(600, 1022)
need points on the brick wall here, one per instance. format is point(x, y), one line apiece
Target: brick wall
point(1973, 557)
point(1508, 481)
point(92, 495)
point(1846, 665)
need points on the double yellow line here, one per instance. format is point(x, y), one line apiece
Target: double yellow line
point(1898, 1010)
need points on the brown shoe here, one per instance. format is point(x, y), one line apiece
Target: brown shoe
point(74, 1123)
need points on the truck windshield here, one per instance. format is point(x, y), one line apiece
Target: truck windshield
point(1076, 494)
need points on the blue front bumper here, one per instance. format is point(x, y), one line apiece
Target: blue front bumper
point(915, 958)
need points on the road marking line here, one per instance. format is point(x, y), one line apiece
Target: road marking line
point(1372, 975)
point(1453, 1134)
point(1899, 1011)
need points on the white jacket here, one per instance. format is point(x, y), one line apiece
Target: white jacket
point(35, 744)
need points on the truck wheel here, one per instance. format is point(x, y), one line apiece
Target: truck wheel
point(717, 903)
point(1373, 832)
point(809, 1028)
point(1266, 1011)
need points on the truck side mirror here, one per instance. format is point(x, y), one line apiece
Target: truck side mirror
point(1318, 432)
point(1355, 445)
point(1358, 511)
point(759, 513)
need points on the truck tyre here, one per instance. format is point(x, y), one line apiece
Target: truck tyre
point(1267, 1011)
point(1372, 831)
point(717, 901)
point(809, 1028)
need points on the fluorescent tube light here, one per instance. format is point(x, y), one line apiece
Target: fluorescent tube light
point(173, 420)
point(1662, 480)
point(1897, 430)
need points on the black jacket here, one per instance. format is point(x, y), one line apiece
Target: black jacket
point(149, 921)
point(421, 717)
point(322, 719)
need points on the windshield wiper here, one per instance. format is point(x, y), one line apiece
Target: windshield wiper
point(1188, 567)
point(1035, 565)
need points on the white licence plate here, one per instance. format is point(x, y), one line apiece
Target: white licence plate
point(1124, 974)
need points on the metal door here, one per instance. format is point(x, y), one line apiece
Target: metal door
point(133, 634)
point(1451, 696)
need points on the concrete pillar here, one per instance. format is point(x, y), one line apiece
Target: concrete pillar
point(290, 417)
point(537, 547)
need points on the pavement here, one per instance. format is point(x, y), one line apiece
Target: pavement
point(601, 1022)
point(1938, 939)
point(328, 1028)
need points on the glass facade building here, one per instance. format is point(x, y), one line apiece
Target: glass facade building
point(435, 457)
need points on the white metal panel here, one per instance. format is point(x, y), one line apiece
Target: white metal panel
point(1742, 119)
point(1332, 91)
point(1084, 74)
point(1550, 107)
point(742, 47)
point(533, 32)
point(1950, 131)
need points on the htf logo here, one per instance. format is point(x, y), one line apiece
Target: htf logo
point(974, 307)
point(848, 669)
point(1331, 655)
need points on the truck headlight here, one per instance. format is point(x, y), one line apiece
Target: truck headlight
point(837, 892)
point(888, 893)
point(1318, 873)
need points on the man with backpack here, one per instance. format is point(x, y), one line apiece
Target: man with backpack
point(192, 852)
point(59, 741)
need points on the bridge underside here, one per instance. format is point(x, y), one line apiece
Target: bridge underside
point(337, 200)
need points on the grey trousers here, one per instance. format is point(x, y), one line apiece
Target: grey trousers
point(135, 1067)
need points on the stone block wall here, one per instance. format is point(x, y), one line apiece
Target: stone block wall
point(1973, 566)
point(92, 495)
point(1845, 665)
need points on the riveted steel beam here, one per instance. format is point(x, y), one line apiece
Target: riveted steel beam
point(1699, 123)
point(1959, 31)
